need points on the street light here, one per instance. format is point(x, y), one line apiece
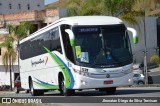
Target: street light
point(145, 51)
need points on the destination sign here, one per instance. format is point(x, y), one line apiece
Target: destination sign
point(87, 30)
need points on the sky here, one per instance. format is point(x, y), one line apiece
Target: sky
point(49, 1)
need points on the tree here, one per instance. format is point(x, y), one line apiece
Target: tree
point(9, 56)
point(18, 32)
point(149, 7)
point(83, 7)
point(123, 9)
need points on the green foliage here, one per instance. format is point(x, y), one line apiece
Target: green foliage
point(83, 7)
point(18, 32)
point(155, 59)
point(9, 56)
point(118, 8)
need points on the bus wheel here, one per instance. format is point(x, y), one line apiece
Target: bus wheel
point(111, 90)
point(63, 90)
point(35, 92)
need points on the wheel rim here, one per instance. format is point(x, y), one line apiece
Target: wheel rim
point(32, 88)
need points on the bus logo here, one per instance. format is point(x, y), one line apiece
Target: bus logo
point(107, 76)
point(40, 61)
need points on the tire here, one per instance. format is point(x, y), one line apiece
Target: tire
point(63, 90)
point(35, 92)
point(111, 91)
point(140, 83)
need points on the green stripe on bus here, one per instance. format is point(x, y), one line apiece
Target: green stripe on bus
point(65, 72)
point(46, 86)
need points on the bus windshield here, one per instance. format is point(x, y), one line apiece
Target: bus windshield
point(104, 46)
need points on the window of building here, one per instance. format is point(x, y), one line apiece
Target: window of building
point(19, 6)
point(28, 6)
point(10, 6)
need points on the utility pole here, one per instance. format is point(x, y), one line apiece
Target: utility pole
point(145, 51)
point(10, 69)
point(145, 56)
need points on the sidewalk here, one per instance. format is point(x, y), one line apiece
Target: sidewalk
point(6, 92)
point(154, 69)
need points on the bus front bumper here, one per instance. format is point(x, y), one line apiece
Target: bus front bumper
point(83, 82)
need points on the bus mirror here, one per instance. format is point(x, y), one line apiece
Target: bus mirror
point(71, 37)
point(134, 33)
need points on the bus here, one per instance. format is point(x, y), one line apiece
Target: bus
point(77, 53)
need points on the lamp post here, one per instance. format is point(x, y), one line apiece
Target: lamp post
point(145, 51)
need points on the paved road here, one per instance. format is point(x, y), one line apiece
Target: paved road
point(155, 77)
point(121, 92)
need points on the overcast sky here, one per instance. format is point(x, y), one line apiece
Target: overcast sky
point(49, 1)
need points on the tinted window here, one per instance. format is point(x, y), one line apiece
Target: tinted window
point(66, 43)
point(35, 46)
point(136, 75)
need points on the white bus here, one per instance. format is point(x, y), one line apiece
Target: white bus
point(76, 53)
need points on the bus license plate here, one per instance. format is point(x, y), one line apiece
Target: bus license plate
point(108, 82)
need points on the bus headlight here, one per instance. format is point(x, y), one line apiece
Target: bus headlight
point(129, 80)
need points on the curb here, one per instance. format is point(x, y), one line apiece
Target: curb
point(147, 85)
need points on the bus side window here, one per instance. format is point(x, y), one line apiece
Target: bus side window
point(66, 43)
point(55, 43)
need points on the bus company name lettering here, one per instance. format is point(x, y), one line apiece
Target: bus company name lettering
point(34, 63)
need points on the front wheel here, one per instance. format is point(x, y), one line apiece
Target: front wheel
point(63, 90)
point(35, 92)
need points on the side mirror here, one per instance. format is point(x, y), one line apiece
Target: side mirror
point(134, 33)
point(71, 37)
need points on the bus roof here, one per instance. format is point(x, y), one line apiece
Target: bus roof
point(78, 20)
point(92, 20)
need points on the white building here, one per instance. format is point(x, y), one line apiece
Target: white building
point(8, 7)
point(12, 6)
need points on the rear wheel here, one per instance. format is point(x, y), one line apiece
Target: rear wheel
point(63, 90)
point(111, 90)
point(35, 92)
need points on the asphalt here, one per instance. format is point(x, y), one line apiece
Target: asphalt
point(155, 75)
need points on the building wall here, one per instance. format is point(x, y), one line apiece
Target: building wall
point(12, 6)
point(151, 39)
